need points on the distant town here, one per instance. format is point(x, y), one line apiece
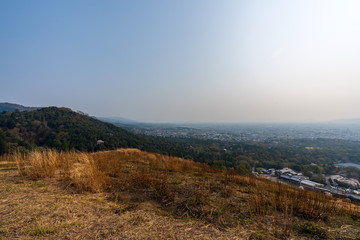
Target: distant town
point(335, 186)
point(249, 132)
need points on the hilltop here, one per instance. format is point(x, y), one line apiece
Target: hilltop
point(130, 194)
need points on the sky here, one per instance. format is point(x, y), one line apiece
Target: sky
point(185, 60)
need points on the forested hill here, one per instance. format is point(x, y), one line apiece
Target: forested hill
point(63, 129)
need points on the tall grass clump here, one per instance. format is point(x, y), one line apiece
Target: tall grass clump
point(104, 171)
point(37, 164)
point(86, 175)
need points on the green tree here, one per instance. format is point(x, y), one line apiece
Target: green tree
point(3, 145)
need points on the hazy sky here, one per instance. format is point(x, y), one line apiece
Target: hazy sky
point(186, 60)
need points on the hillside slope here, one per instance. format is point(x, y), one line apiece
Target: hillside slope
point(62, 129)
point(130, 194)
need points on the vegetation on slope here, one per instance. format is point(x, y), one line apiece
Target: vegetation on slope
point(62, 129)
point(191, 191)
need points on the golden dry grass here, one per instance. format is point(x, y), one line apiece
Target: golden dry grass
point(190, 191)
point(44, 210)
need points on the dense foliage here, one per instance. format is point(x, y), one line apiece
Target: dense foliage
point(62, 129)
point(313, 157)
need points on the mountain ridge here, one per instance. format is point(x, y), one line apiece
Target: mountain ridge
point(117, 120)
point(12, 107)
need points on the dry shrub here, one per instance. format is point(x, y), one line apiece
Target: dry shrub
point(142, 178)
point(37, 164)
point(109, 163)
point(86, 176)
point(64, 164)
point(161, 188)
point(78, 169)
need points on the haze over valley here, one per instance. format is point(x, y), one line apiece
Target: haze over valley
point(204, 61)
point(201, 119)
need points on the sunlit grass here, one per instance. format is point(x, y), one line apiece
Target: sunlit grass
point(187, 189)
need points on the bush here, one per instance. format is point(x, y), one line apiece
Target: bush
point(312, 229)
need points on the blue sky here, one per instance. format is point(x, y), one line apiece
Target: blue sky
point(184, 61)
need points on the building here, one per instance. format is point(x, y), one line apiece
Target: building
point(296, 180)
point(307, 184)
point(285, 171)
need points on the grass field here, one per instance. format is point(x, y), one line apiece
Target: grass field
point(129, 194)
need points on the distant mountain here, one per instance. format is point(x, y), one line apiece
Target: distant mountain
point(353, 121)
point(12, 107)
point(63, 129)
point(349, 121)
point(117, 120)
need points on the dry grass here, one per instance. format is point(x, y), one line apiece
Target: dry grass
point(37, 164)
point(52, 212)
point(7, 162)
point(187, 190)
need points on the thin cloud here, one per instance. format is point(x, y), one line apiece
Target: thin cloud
point(277, 52)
